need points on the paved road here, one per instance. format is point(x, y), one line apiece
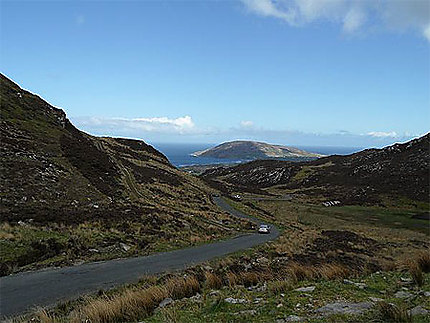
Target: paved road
point(24, 291)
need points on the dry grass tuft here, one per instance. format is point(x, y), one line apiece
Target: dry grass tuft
point(280, 286)
point(423, 261)
point(182, 287)
point(232, 279)
point(127, 306)
point(170, 315)
point(393, 313)
point(416, 273)
point(417, 265)
point(332, 271)
point(298, 272)
point(41, 316)
point(249, 278)
point(212, 281)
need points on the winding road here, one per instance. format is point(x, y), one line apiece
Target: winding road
point(24, 291)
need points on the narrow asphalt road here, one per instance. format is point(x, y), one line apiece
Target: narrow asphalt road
point(22, 292)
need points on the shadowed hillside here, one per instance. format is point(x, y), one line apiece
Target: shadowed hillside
point(69, 196)
point(400, 170)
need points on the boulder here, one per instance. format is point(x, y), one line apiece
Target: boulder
point(344, 308)
point(308, 289)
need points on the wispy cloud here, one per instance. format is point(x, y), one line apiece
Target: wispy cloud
point(352, 15)
point(382, 134)
point(246, 123)
point(181, 125)
point(183, 129)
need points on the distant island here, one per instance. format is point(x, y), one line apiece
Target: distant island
point(250, 150)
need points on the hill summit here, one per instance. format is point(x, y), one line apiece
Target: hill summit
point(242, 149)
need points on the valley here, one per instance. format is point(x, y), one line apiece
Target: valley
point(150, 241)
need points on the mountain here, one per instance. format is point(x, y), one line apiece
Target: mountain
point(249, 150)
point(400, 170)
point(65, 192)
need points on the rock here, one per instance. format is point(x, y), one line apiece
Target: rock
point(293, 318)
point(257, 300)
point(214, 293)
point(279, 305)
point(402, 294)
point(232, 300)
point(165, 302)
point(375, 299)
point(196, 298)
point(359, 285)
point(344, 308)
point(427, 294)
point(263, 260)
point(418, 310)
point(406, 281)
point(124, 247)
point(308, 289)
point(94, 250)
point(258, 288)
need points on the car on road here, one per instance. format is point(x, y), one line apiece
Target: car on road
point(264, 228)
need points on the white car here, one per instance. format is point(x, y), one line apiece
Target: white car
point(264, 228)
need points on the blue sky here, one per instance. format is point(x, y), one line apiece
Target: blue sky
point(299, 72)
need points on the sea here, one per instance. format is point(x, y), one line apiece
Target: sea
point(180, 154)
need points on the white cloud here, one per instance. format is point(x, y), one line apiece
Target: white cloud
point(166, 125)
point(269, 8)
point(353, 15)
point(246, 123)
point(427, 32)
point(353, 20)
point(381, 134)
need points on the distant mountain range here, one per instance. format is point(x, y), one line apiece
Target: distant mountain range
point(251, 150)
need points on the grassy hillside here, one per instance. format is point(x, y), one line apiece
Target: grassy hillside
point(370, 269)
point(67, 196)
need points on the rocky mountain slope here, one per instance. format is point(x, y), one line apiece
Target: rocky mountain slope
point(56, 179)
point(400, 170)
point(253, 150)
